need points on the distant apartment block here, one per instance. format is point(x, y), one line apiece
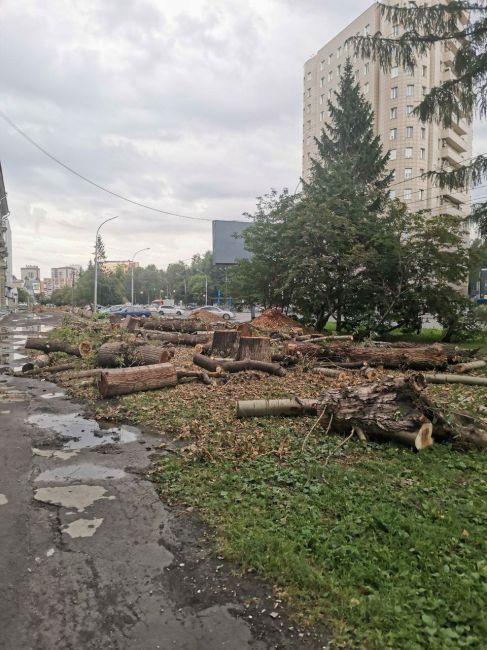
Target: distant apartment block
point(110, 266)
point(30, 272)
point(414, 147)
point(47, 286)
point(65, 276)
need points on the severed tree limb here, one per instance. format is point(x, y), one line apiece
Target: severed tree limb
point(237, 366)
point(467, 367)
point(442, 378)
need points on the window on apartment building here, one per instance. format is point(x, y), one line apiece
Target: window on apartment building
point(393, 113)
point(322, 99)
point(366, 88)
point(322, 82)
point(339, 52)
point(395, 31)
point(423, 133)
point(308, 139)
point(393, 134)
point(330, 75)
point(366, 68)
point(322, 64)
point(322, 116)
point(309, 76)
point(392, 154)
point(422, 153)
point(394, 92)
point(393, 174)
point(408, 172)
point(409, 109)
point(395, 71)
point(366, 30)
point(410, 90)
point(408, 152)
point(308, 108)
point(407, 194)
point(421, 195)
point(330, 59)
point(421, 171)
point(339, 70)
point(425, 70)
point(409, 132)
point(308, 92)
point(425, 91)
point(392, 194)
point(329, 93)
point(308, 124)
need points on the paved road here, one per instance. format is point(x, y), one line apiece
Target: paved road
point(89, 555)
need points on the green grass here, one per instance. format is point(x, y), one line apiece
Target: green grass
point(385, 546)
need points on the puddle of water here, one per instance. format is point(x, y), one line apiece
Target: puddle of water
point(32, 328)
point(75, 496)
point(82, 471)
point(77, 432)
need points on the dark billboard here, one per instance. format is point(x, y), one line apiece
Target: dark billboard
point(227, 248)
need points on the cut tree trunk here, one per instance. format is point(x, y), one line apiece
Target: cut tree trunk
point(122, 381)
point(45, 345)
point(418, 358)
point(225, 344)
point(175, 325)
point(468, 367)
point(439, 378)
point(180, 339)
point(199, 375)
point(237, 366)
point(117, 354)
point(257, 348)
point(264, 407)
point(130, 323)
point(85, 348)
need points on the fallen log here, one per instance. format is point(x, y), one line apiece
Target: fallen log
point(46, 345)
point(178, 338)
point(81, 374)
point(225, 344)
point(130, 323)
point(122, 381)
point(439, 378)
point(51, 369)
point(117, 354)
point(237, 366)
point(468, 367)
point(257, 348)
point(419, 358)
point(195, 374)
point(269, 407)
point(39, 362)
point(175, 325)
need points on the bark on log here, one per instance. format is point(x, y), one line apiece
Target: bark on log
point(46, 345)
point(130, 323)
point(257, 348)
point(468, 367)
point(264, 407)
point(225, 344)
point(175, 325)
point(439, 378)
point(117, 354)
point(122, 381)
point(237, 366)
point(195, 374)
point(418, 358)
point(180, 339)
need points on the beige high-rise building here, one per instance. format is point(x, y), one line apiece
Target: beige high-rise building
point(414, 147)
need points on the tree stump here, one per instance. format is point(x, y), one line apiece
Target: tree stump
point(257, 348)
point(123, 381)
point(225, 344)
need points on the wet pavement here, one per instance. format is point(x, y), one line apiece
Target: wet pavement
point(89, 555)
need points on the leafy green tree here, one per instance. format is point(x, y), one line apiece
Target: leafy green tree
point(462, 26)
point(23, 295)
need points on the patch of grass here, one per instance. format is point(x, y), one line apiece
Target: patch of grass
point(431, 335)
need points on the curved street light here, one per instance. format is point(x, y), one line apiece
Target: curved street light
point(95, 305)
point(132, 260)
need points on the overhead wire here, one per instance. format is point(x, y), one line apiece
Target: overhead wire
point(93, 183)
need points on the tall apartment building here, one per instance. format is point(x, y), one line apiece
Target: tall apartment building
point(64, 276)
point(414, 147)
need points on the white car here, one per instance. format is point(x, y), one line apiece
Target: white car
point(223, 313)
point(170, 311)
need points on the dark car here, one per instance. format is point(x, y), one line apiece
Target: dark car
point(133, 311)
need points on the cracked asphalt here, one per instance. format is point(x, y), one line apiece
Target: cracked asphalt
point(89, 555)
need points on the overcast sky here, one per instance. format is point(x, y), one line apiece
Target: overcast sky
point(193, 107)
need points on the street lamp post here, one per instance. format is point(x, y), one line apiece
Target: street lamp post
point(206, 289)
point(95, 297)
point(133, 256)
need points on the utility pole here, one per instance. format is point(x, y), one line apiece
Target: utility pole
point(95, 297)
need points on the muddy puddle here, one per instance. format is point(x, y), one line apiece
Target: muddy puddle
point(77, 432)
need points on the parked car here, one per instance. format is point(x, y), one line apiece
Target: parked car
point(170, 311)
point(191, 305)
point(141, 312)
point(223, 313)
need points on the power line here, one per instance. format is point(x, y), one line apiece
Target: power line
point(88, 180)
